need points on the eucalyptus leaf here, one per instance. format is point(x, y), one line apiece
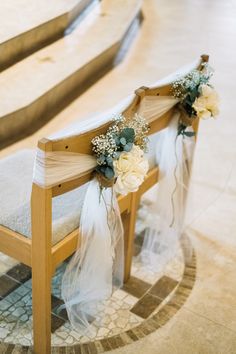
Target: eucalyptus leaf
point(101, 169)
point(101, 159)
point(109, 161)
point(188, 100)
point(189, 134)
point(123, 141)
point(109, 173)
point(128, 147)
point(181, 129)
point(117, 154)
point(193, 95)
point(117, 140)
point(128, 134)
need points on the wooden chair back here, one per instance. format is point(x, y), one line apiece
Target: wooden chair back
point(82, 142)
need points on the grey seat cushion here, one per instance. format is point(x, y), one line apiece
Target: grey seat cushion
point(16, 173)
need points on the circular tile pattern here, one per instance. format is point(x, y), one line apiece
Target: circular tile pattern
point(163, 307)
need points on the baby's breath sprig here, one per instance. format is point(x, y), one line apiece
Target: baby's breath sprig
point(120, 136)
point(140, 127)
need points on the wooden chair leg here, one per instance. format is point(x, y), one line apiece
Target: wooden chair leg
point(129, 220)
point(41, 269)
point(41, 288)
point(196, 126)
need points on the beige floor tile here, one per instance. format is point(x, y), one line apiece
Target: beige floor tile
point(212, 213)
point(204, 337)
point(214, 293)
point(179, 336)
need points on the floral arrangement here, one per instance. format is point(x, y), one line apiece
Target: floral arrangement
point(197, 97)
point(120, 154)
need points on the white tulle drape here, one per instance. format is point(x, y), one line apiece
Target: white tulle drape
point(152, 107)
point(53, 167)
point(165, 219)
point(97, 265)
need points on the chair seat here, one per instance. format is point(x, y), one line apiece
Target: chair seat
point(16, 173)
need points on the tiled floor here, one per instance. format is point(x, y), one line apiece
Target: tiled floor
point(128, 308)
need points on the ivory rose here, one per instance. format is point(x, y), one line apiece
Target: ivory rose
point(130, 170)
point(206, 105)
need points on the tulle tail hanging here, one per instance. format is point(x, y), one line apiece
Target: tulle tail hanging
point(166, 227)
point(97, 266)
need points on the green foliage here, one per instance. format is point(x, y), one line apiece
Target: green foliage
point(101, 159)
point(128, 147)
point(187, 89)
point(109, 173)
point(123, 141)
point(109, 161)
point(182, 131)
point(128, 134)
point(119, 138)
point(189, 134)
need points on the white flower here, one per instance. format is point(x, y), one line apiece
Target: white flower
point(207, 104)
point(130, 170)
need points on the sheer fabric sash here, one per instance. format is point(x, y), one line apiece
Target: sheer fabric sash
point(97, 266)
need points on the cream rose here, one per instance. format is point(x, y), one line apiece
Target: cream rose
point(207, 104)
point(130, 170)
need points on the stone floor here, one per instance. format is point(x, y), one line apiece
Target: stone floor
point(174, 33)
point(131, 313)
